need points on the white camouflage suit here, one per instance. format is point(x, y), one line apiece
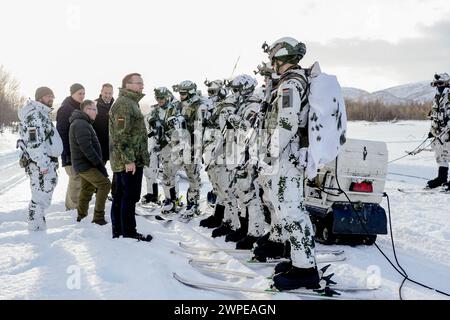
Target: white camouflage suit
point(440, 126)
point(281, 176)
point(217, 158)
point(244, 188)
point(161, 165)
point(43, 146)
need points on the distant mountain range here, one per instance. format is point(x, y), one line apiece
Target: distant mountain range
point(404, 94)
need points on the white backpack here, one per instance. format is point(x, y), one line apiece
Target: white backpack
point(327, 119)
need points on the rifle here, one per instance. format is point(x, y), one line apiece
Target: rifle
point(255, 128)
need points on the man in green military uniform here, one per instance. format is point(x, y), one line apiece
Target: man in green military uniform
point(129, 155)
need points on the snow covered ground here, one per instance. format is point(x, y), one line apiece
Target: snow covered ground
point(80, 260)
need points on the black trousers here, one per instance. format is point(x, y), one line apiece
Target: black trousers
point(126, 192)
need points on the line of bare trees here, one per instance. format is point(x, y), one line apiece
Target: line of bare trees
point(10, 98)
point(378, 111)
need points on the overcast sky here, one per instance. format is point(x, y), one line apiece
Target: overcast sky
point(368, 44)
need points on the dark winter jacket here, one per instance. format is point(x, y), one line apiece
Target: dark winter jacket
point(62, 125)
point(85, 149)
point(101, 126)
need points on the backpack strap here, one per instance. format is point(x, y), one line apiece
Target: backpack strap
point(302, 132)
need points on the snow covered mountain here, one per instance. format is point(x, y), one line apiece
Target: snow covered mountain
point(403, 94)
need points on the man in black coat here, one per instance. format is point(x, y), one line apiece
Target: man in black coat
point(63, 115)
point(101, 123)
point(86, 158)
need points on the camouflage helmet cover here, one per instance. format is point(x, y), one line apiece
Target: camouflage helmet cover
point(162, 92)
point(186, 86)
point(285, 48)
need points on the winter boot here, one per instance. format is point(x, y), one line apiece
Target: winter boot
point(191, 211)
point(296, 278)
point(141, 237)
point(215, 220)
point(170, 205)
point(282, 267)
point(246, 243)
point(440, 180)
point(240, 233)
point(223, 230)
point(268, 249)
point(211, 198)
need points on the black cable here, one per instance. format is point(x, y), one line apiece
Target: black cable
point(404, 274)
point(410, 153)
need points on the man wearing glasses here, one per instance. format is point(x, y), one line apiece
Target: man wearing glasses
point(87, 162)
point(128, 156)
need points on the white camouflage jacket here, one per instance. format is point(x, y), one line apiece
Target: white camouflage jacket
point(38, 133)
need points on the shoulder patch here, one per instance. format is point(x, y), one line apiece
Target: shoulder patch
point(287, 98)
point(32, 137)
point(121, 123)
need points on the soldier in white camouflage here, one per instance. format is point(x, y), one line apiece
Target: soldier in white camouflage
point(218, 141)
point(217, 92)
point(40, 146)
point(245, 125)
point(193, 109)
point(440, 129)
point(285, 122)
point(155, 122)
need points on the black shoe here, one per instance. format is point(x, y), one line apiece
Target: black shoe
point(79, 218)
point(141, 237)
point(168, 206)
point(100, 222)
point(440, 180)
point(215, 220)
point(246, 243)
point(223, 230)
point(296, 278)
point(282, 267)
point(236, 235)
point(269, 249)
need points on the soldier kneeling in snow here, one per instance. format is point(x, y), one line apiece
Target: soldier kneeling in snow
point(41, 146)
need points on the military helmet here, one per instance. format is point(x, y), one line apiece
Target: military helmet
point(286, 49)
point(441, 80)
point(162, 93)
point(186, 86)
point(216, 88)
point(243, 84)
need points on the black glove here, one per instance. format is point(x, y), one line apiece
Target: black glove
point(102, 170)
point(430, 135)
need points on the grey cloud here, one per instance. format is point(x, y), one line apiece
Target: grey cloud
point(408, 60)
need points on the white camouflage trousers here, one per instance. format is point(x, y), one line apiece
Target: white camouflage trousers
point(292, 221)
point(220, 180)
point(442, 151)
point(151, 173)
point(247, 194)
point(42, 186)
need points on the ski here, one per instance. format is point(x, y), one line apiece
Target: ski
point(194, 249)
point(248, 275)
point(267, 263)
point(422, 191)
point(327, 292)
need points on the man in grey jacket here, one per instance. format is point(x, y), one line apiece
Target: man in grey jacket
point(86, 157)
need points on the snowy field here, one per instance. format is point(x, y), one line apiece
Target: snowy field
point(48, 265)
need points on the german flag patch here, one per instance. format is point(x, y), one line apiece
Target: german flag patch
point(121, 123)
